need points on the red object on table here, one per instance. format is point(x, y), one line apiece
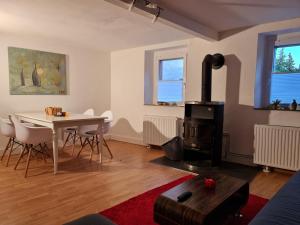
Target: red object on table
point(209, 183)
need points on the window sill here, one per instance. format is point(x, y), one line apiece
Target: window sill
point(165, 105)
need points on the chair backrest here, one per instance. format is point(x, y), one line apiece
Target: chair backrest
point(86, 128)
point(7, 128)
point(22, 133)
point(108, 114)
point(89, 112)
point(30, 134)
point(108, 121)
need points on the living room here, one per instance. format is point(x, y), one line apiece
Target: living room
point(68, 65)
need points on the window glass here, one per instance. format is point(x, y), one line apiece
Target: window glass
point(170, 91)
point(285, 79)
point(170, 82)
point(287, 59)
point(171, 69)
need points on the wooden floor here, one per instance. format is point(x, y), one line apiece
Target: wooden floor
point(82, 187)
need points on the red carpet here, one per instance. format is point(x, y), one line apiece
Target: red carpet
point(139, 210)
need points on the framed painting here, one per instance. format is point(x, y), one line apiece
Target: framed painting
point(33, 72)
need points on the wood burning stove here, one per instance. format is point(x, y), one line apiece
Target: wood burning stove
point(203, 121)
point(203, 130)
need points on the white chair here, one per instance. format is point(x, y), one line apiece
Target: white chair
point(106, 127)
point(72, 132)
point(31, 137)
point(7, 129)
point(91, 134)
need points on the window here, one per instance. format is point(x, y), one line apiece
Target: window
point(169, 76)
point(285, 78)
point(171, 80)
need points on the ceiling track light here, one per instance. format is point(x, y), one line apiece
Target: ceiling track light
point(153, 6)
point(131, 5)
point(156, 15)
point(150, 5)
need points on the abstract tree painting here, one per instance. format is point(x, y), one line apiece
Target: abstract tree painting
point(33, 72)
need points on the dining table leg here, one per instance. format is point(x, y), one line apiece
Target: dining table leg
point(55, 150)
point(100, 143)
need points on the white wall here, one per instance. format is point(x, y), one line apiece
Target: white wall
point(127, 94)
point(233, 84)
point(88, 78)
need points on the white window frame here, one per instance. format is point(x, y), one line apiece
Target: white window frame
point(168, 55)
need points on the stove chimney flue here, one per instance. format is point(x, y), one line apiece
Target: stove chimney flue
point(210, 62)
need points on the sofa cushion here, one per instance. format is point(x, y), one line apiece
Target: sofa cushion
point(92, 219)
point(284, 207)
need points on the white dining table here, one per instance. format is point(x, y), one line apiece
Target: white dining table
point(56, 123)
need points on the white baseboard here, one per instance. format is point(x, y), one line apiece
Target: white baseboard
point(107, 136)
point(127, 139)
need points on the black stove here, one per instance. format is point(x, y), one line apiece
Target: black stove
point(203, 121)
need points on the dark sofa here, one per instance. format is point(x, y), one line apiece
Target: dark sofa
point(284, 207)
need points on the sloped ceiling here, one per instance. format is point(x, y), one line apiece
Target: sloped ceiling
point(92, 23)
point(223, 15)
point(101, 25)
point(209, 19)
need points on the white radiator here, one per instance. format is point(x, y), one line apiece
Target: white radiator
point(159, 129)
point(277, 146)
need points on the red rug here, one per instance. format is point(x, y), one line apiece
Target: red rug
point(139, 210)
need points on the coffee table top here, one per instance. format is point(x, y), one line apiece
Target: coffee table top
point(204, 201)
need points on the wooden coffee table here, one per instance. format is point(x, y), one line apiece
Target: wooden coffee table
point(204, 206)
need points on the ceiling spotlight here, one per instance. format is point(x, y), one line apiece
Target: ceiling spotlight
point(150, 5)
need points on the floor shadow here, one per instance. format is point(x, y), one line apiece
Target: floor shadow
point(67, 163)
point(71, 163)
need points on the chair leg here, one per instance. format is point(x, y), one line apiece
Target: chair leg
point(6, 148)
point(28, 161)
point(105, 143)
point(20, 157)
point(43, 152)
point(74, 142)
point(97, 144)
point(82, 146)
point(92, 148)
point(10, 151)
point(80, 141)
point(46, 152)
point(66, 141)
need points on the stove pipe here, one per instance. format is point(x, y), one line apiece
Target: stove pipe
point(210, 62)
